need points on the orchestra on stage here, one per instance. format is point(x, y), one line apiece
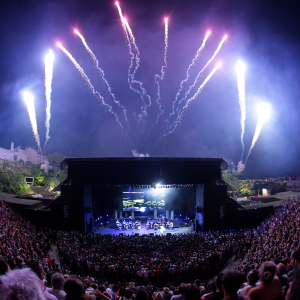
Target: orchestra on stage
point(155, 224)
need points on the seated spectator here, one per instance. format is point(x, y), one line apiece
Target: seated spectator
point(74, 289)
point(294, 289)
point(4, 267)
point(219, 293)
point(269, 287)
point(128, 293)
point(182, 290)
point(113, 291)
point(21, 284)
point(252, 278)
point(57, 281)
point(192, 293)
point(141, 294)
point(37, 268)
point(281, 273)
point(212, 286)
point(231, 282)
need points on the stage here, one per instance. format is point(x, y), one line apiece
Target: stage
point(142, 231)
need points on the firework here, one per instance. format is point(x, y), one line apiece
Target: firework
point(204, 68)
point(48, 89)
point(29, 100)
point(203, 84)
point(101, 72)
point(89, 84)
point(189, 69)
point(172, 127)
point(158, 78)
point(240, 69)
point(135, 56)
point(263, 114)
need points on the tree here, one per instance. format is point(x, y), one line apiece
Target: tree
point(246, 188)
point(231, 178)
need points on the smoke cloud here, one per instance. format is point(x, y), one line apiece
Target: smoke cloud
point(136, 154)
point(240, 167)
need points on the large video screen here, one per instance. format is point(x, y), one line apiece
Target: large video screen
point(142, 201)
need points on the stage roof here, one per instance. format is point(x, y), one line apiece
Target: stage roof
point(64, 164)
point(144, 170)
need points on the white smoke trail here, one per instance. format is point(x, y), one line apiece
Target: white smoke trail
point(173, 126)
point(203, 69)
point(131, 76)
point(240, 69)
point(29, 100)
point(142, 92)
point(48, 89)
point(189, 69)
point(158, 78)
point(202, 85)
point(87, 80)
point(96, 64)
point(264, 112)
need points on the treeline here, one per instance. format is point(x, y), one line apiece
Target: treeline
point(13, 173)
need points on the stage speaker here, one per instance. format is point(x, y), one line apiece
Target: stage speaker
point(169, 233)
point(136, 234)
point(121, 234)
point(152, 234)
point(198, 209)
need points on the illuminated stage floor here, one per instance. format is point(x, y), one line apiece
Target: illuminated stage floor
point(142, 231)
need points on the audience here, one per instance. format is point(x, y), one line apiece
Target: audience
point(103, 263)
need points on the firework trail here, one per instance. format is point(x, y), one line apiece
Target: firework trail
point(122, 20)
point(28, 97)
point(203, 69)
point(240, 69)
point(158, 78)
point(101, 72)
point(189, 69)
point(203, 85)
point(264, 112)
point(48, 89)
point(131, 42)
point(88, 82)
point(173, 126)
point(135, 54)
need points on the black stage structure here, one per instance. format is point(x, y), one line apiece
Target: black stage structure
point(192, 187)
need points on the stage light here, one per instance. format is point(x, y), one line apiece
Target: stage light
point(158, 185)
point(142, 209)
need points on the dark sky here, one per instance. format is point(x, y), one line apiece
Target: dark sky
point(263, 34)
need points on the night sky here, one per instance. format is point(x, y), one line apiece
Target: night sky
point(263, 34)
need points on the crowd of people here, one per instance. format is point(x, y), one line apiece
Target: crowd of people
point(96, 266)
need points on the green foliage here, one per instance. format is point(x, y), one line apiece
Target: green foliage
point(21, 188)
point(231, 178)
point(13, 173)
point(246, 188)
point(39, 179)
